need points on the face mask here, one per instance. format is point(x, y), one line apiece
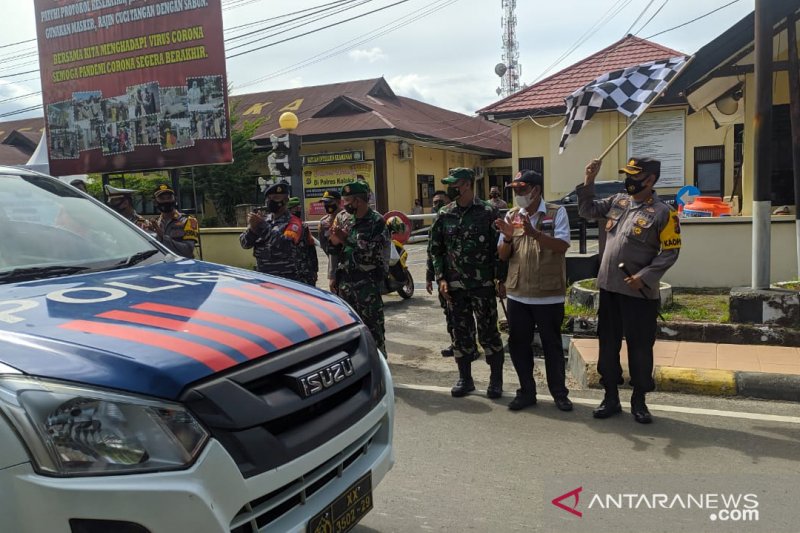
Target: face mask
point(437, 206)
point(350, 208)
point(523, 201)
point(633, 186)
point(273, 206)
point(166, 207)
point(453, 192)
point(330, 208)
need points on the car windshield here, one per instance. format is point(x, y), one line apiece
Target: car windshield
point(49, 229)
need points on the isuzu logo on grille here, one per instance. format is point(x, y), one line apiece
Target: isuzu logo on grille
point(325, 377)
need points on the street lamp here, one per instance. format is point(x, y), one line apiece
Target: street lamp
point(288, 121)
point(285, 161)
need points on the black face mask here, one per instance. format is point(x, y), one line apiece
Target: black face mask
point(330, 208)
point(437, 206)
point(453, 192)
point(167, 207)
point(633, 186)
point(273, 206)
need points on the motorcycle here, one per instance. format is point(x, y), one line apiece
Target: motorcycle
point(399, 278)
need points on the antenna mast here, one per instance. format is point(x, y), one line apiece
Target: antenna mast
point(509, 70)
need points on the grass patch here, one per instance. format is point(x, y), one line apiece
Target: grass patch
point(688, 305)
point(698, 306)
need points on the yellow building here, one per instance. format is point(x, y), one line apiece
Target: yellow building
point(721, 82)
point(692, 149)
point(402, 147)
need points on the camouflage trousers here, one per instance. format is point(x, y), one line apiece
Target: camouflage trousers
point(365, 297)
point(471, 306)
point(448, 318)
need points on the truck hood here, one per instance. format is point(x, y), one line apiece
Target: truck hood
point(155, 329)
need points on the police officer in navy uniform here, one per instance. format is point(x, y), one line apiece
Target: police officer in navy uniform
point(643, 236)
point(280, 240)
point(173, 229)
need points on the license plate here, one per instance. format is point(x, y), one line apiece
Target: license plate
point(346, 510)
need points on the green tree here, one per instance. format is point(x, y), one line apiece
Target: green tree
point(226, 186)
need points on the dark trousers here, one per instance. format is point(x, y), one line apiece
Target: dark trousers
point(523, 319)
point(635, 318)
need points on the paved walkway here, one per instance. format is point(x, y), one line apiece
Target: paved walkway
point(771, 372)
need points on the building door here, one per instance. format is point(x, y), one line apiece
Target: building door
point(709, 170)
point(426, 186)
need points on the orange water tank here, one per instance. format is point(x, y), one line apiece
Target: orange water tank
point(707, 206)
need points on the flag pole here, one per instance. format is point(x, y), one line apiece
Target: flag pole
point(659, 95)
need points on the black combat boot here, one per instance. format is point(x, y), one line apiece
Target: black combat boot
point(639, 409)
point(448, 352)
point(464, 385)
point(495, 388)
point(610, 404)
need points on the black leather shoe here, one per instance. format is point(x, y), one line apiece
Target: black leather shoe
point(462, 387)
point(494, 390)
point(608, 407)
point(563, 403)
point(448, 352)
point(639, 410)
point(521, 401)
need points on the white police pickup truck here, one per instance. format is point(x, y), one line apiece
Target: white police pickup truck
point(144, 393)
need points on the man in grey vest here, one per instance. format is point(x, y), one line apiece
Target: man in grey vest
point(534, 240)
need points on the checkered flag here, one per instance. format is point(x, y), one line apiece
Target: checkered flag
point(630, 91)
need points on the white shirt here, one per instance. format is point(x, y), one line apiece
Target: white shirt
point(560, 231)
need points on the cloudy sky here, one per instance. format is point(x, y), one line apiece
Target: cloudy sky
point(439, 51)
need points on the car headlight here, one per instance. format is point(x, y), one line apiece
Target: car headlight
point(77, 431)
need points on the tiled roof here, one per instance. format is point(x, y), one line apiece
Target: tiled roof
point(33, 128)
point(549, 93)
point(370, 108)
point(361, 108)
point(12, 155)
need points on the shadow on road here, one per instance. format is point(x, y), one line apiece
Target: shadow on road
point(680, 435)
point(437, 403)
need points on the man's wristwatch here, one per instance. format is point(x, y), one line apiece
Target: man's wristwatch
point(508, 241)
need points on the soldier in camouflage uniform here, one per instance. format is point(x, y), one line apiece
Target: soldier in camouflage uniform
point(331, 202)
point(173, 229)
point(281, 242)
point(439, 200)
point(466, 266)
point(294, 207)
point(311, 250)
point(364, 260)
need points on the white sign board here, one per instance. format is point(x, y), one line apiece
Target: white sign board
point(661, 135)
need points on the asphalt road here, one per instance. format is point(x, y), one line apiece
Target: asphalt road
point(471, 465)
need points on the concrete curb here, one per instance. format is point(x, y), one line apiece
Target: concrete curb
point(706, 382)
point(701, 381)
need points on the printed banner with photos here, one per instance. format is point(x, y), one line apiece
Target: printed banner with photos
point(133, 85)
